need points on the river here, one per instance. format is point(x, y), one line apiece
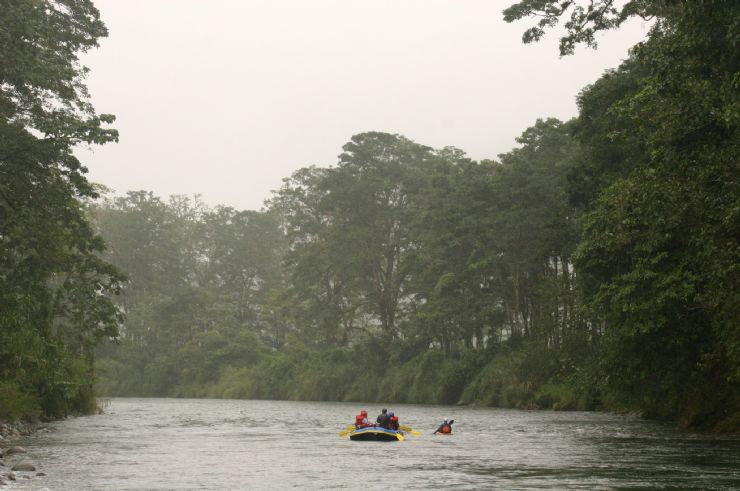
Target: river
point(186, 444)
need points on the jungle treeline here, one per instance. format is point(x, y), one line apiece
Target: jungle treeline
point(594, 266)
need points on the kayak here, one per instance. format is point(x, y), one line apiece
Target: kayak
point(376, 433)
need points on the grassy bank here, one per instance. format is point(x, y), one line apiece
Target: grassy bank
point(507, 377)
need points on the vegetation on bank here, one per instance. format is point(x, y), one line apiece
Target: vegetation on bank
point(595, 266)
point(54, 288)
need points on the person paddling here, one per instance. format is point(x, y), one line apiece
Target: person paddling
point(445, 427)
point(361, 420)
point(383, 418)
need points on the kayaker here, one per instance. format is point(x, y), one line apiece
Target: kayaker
point(393, 422)
point(445, 427)
point(382, 419)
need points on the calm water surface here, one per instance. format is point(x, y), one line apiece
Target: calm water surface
point(161, 444)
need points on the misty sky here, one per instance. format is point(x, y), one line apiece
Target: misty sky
point(226, 97)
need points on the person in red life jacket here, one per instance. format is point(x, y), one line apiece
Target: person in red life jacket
point(361, 420)
point(445, 427)
point(393, 422)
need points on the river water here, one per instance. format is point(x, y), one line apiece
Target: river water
point(163, 444)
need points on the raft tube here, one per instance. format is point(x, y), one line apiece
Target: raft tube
point(375, 433)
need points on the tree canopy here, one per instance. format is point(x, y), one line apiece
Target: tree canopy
point(595, 265)
point(53, 286)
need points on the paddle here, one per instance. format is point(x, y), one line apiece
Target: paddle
point(350, 429)
point(409, 429)
point(400, 436)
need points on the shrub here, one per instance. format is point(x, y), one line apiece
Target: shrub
point(17, 404)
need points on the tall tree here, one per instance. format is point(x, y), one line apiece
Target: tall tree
point(371, 190)
point(660, 250)
point(349, 232)
point(243, 250)
point(536, 231)
point(321, 293)
point(52, 285)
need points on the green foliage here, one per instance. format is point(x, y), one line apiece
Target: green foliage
point(593, 266)
point(431, 378)
point(498, 384)
point(364, 206)
point(16, 403)
point(555, 396)
point(730, 424)
point(201, 295)
point(583, 19)
point(54, 288)
point(272, 379)
point(657, 244)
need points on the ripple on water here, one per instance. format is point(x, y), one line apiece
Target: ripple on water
point(162, 444)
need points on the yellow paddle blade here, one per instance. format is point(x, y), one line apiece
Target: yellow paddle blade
point(409, 429)
point(350, 429)
point(400, 437)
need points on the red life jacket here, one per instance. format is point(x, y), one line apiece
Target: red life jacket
point(446, 429)
point(358, 419)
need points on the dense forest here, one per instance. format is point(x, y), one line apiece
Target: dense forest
point(594, 266)
point(54, 287)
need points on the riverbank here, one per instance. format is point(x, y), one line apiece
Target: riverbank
point(17, 429)
point(511, 378)
point(15, 463)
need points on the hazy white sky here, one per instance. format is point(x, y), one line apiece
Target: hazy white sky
point(226, 97)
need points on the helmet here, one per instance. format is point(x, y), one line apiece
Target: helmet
point(384, 410)
point(363, 412)
point(445, 420)
point(390, 414)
